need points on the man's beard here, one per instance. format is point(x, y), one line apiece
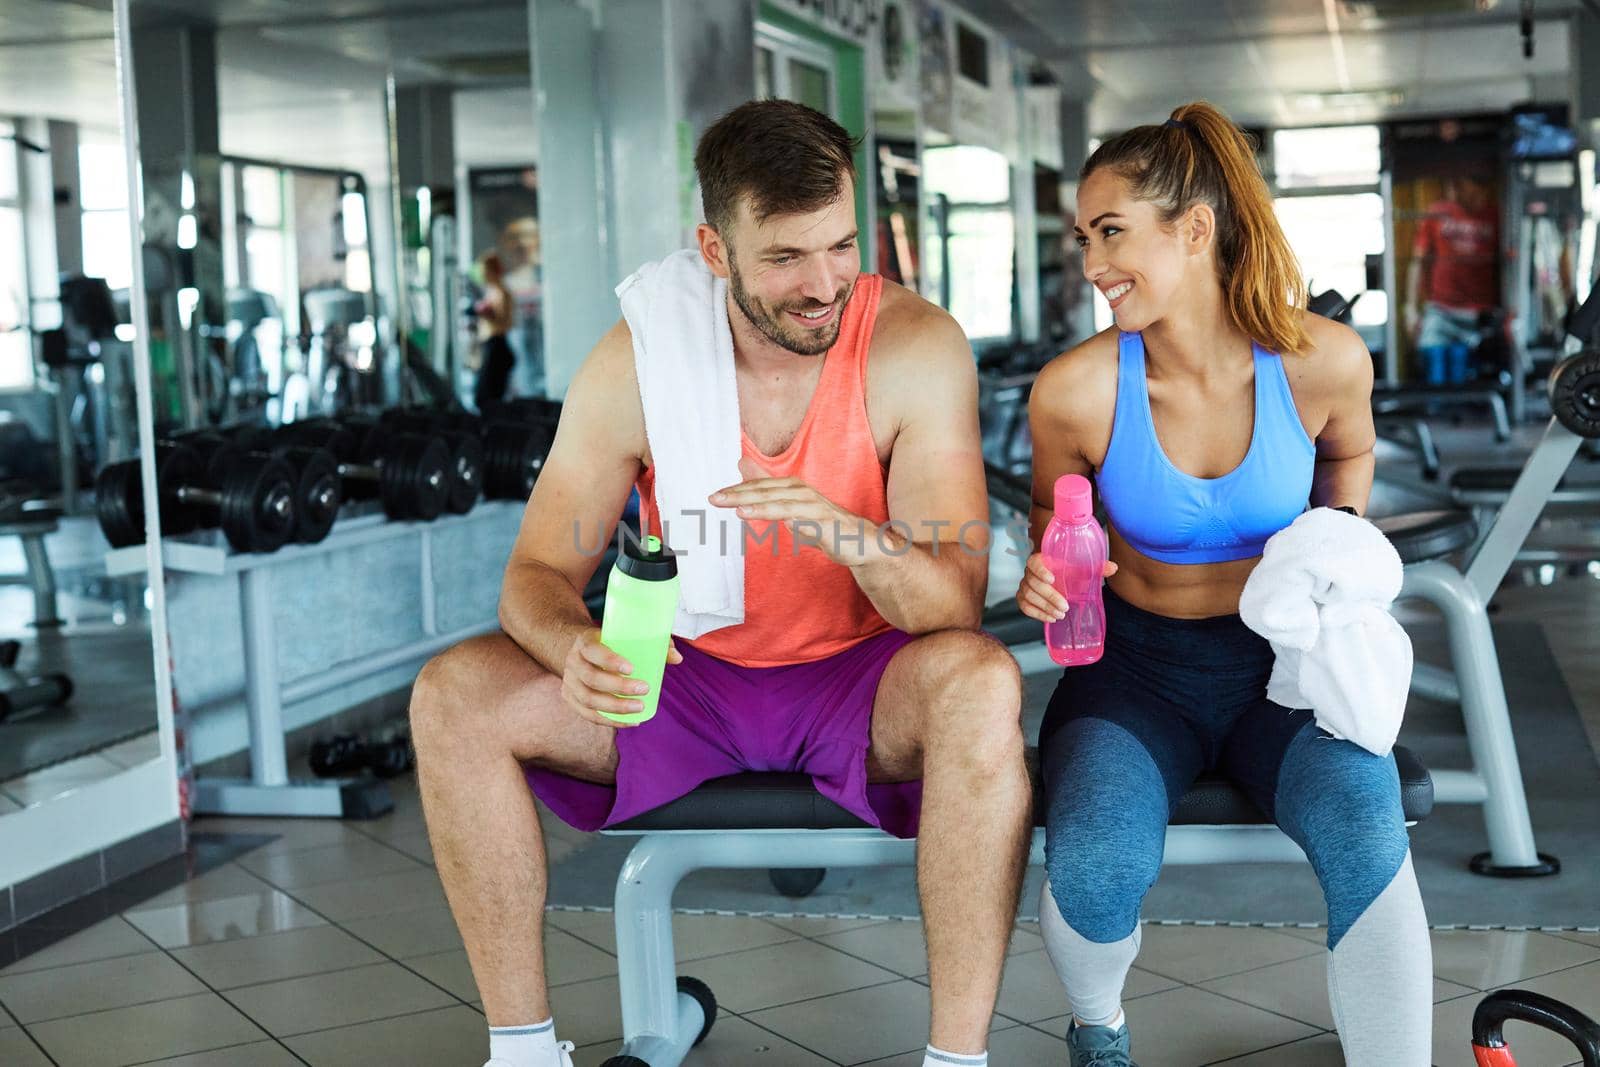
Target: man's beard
point(775, 325)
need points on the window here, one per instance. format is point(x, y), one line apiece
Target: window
point(1327, 156)
point(792, 67)
point(8, 161)
point(1332, 236)
point(981, 235)
point(103, 195)
point(16, 348)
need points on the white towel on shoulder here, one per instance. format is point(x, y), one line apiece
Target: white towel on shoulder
point(677, 312)
point(1321, 596)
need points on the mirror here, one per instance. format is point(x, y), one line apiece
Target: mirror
point(77, 678)
point(310, 253)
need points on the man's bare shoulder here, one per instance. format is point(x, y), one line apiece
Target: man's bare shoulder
point(603, 399)
point(914, 337)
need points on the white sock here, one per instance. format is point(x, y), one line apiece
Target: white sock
point(1114, 1024)
point(525, 1046)
point(938, 1057)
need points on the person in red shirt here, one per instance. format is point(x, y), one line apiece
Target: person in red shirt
point(1453, 278)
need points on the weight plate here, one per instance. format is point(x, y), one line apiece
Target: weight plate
point(119, 503)
point(258, 513)
point(177, 467)
point(466, 473)
point(316, 495)
point(1575, 394)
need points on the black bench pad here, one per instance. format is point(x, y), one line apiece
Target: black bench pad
point(789, 802)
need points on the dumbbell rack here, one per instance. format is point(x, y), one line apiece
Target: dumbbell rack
point(269, 791)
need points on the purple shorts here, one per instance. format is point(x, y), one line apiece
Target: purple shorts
point(717, 718)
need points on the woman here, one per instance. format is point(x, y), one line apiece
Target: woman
point(496, 314)
point(1208, 418)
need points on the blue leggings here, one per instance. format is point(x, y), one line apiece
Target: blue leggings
point(1124, 739)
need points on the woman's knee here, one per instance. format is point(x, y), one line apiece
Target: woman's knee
point(1344, 810)
point(1099, 882)
point(1105, 827)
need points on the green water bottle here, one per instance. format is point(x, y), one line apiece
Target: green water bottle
point(641, 603)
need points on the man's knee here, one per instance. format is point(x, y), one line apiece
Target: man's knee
point(971, 692)
point(447, 701)
point(970, 678)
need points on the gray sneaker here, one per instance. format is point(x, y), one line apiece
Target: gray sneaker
point(1099, 1046)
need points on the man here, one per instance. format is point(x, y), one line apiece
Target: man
point(1453, 278)
point(856, 661)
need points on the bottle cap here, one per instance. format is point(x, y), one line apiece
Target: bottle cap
point(647, 560)
point(1074, 498)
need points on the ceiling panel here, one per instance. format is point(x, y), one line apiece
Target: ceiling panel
point(43, 20)
point(75, 81)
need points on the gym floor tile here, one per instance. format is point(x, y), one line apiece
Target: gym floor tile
point(590, 1012)
point(292, 835)
point(448, 1037)
point(146, 1032)
point(102, 941)
point(230, 918)
point(229, 880)
point(733, 1042)
point(1320, 1051)
point(116, 983)
point(343, 998)
point(388, 894)
point(1187, 1027)
point(850, 1027)
point(343, 862)
point(414, 844)
point(1298, 989)
point(1581, 938)
point(18, 1050)
point(255, 1054)
point(1489, 959)
point(224, 965)
point(781, 974)
point(1018, 1045)
point(816, 926)
point(420, 933)
point(1201, 953)
point(897, 946)
point(696, 937)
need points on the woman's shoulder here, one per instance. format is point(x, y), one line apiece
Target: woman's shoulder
point(1337, 354)
point(1080, 382)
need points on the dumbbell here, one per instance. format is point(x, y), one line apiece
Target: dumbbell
point(513, 455)
point(466, 449)
point(316, 489)
point(347, 754)
point(253, 501)
point(21, 693)
point(410, 474)
point(514, 448)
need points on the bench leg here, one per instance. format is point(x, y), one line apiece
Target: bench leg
point(43, 580)
point(1487, 719)
point(658, 1023)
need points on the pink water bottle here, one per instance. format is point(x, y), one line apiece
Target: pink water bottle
point(1075, 552)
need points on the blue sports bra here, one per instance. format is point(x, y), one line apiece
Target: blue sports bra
point(1175, 517)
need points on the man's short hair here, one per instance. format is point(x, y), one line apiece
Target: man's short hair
point(786, 157)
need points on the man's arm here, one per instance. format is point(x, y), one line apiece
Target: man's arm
point(576, 505)
point(936, 578)
point(1345, 461)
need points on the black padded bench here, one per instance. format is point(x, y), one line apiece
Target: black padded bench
point(780, 822)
